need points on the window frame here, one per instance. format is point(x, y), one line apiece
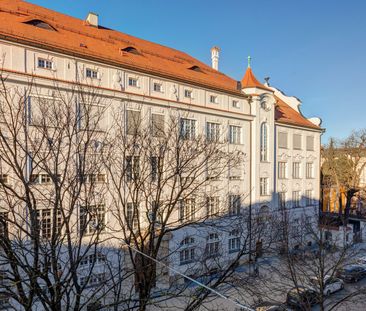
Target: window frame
point(264, 142)
point(235, 134)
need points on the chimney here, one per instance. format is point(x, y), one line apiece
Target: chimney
point(215, 57)
point(92, 19)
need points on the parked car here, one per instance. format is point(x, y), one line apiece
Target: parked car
point(269, 306)
point(331, 284)
point(352, 273)
point(302, 298)
point(361, 261)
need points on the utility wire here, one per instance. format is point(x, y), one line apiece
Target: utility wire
point(234, 301)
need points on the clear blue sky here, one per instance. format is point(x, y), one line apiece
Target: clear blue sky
point(313, 49)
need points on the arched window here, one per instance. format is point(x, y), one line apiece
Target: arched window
point(264, 142)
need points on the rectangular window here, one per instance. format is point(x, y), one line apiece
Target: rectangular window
point(212, 246)
point(310, 143)
point(297, 141)
point(213, 131)
point(186, 255)
point(187, 210)
point(213, 99)
point(213, 204)
point(234, 134)
point(40, 179)
point(132, 215)
point(133, 122)
point(282, 200)
point(282, 140)
point(188, 94)
point(296, 170)
point(188, 129)
point(95, 178)
point(44, 63)
point(158, 87)
point(282, 170)
point(235, 104)
point(91, 73)
point(3, 225)
point(132, 82)
point(92, 259)
point(296, 199)
point(45, 222)
point(132, 167)
point(309, 170)
point(154, 161)
point(234, 205)
point(264, 186)
point(309, 197)
point(92, 218)
point(234, 241)
point(157, 124)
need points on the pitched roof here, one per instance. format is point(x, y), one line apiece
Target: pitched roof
point(249, 80)
point(283, 112)
point(74, 36)
point(39, 26)
point(287, 115)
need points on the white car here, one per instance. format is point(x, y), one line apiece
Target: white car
point(361, 261)
point(331, 284)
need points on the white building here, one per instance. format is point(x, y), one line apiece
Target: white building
point(281, 146)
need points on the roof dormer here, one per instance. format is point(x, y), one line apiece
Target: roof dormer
point(40, 24)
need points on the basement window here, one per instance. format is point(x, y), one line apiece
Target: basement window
point(40, 24)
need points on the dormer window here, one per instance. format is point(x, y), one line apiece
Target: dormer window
point(195, 68)
point(158, 87)
point(132, 82)
point(40, 24)
point(188, 94)
point(235, 104)
point(45, 63)
point(91, 73)
point(130, 49)
point(213, 99)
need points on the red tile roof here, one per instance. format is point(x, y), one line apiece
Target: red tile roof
point(285, 114)
point(249, 80)
point(75, 37)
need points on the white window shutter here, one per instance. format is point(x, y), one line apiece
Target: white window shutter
point(53, 65)
point(99, 75)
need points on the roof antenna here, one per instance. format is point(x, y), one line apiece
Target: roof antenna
point(249, 61)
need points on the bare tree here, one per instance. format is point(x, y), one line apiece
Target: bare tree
point(166, 182)
point(53, 197)
point(309, 259)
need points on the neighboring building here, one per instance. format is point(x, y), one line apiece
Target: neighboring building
point(334, 199)
point(281, 171)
